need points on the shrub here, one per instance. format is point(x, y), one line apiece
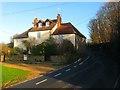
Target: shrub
point(71, 57)
point(15, 51)
point(66, 46)
point(38, 49)
point(25, 52)
point(50, 49)
point(67, 49)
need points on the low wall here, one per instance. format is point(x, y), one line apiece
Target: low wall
point(15, 57)
point(58, 59)
point(29, 58)
point(36, 58)
point(55, 59)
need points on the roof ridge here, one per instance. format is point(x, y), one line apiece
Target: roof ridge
point(77, 31)
point(66, 23)
point(49, 20)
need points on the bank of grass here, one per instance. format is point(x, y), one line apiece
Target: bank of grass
point(0, 76)
point(12, 75)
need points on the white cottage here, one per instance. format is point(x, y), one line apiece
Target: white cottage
point(42, 30)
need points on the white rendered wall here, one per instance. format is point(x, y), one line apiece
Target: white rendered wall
point(70, 37)
point(18, 43)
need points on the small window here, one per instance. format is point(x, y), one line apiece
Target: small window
point(38, 35)
point(47, 23)
point(39, 24)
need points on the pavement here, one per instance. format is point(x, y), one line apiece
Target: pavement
point(84, 73)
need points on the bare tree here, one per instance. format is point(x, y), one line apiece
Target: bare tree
point(105, 27)
point(4, 51)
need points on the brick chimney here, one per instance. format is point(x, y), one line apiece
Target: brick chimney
point(35, 23)
point(59, 20)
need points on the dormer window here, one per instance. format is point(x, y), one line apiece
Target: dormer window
point(47, 23)
point(39, 24)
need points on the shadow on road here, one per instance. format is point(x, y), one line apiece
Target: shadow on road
point(97, 72)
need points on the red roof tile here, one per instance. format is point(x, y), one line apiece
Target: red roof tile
point(43, 28)
point(67, 28)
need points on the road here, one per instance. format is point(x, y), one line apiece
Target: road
point(83, 73)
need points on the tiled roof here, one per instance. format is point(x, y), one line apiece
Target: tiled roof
point(41, 21)
point(48, 20)
point(67, 28)
point(22, 35)
point(43, 28)
point(33, 29)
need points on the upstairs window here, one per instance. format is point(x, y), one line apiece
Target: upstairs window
point(38, 35)
point(47, 23)
point(39, 24)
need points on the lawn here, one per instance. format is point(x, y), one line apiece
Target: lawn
point(12, 75)
point(14, 72)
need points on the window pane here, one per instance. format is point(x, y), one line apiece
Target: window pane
point(47, 23)
point(38, 35)
point(40, 24)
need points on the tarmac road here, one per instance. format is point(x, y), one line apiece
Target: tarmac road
point(83, 73)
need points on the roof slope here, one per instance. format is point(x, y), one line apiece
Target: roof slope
point(33, 29)
point(22, 35)
point(67, 28)
point(43, 28)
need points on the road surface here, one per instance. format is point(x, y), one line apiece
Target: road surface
point(83, 73)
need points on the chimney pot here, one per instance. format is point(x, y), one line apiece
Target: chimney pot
point(58, 14)
point(59, 20)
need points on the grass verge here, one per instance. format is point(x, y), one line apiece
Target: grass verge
point(12, 75)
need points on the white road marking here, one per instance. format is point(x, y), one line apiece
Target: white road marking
point(86, 59)
point(67, 65)
point(75, 66)
point(24, 81)
point(41, 81)
point(80, 63)
point(57, 74)
point(79, 59)
point(75, 62)
point(68, 70)
point(115, 85)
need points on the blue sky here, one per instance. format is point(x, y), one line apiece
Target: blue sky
point(17, 17)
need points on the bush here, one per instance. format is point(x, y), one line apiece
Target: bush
point(38, 49)
point(68, 50)
point(71, 57)
point(15, 51)
point(50, 49)
point(66, 46)
point(25, 52)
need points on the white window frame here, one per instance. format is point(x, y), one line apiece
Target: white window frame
point(47, 23)
point(39, 24)
point(38, 35)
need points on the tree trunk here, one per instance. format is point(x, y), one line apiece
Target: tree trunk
point(4, 57)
